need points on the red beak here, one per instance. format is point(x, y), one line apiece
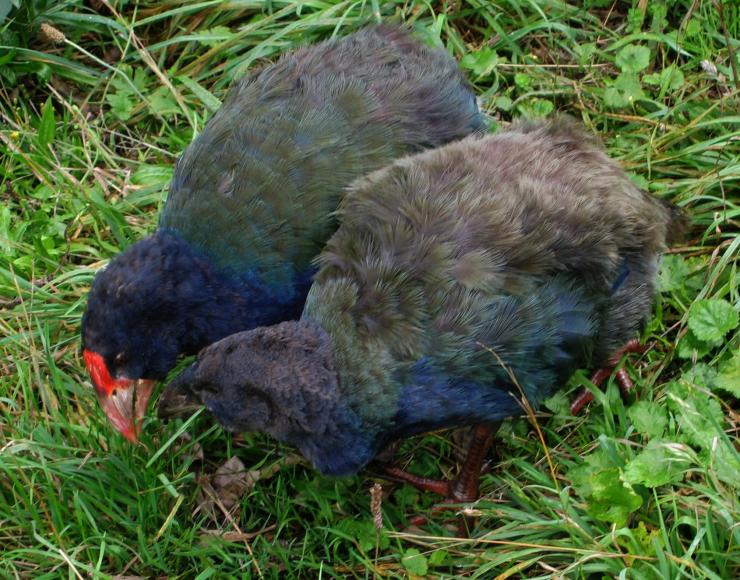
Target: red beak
point(123, 400)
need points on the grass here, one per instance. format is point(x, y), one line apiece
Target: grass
point(98, 98)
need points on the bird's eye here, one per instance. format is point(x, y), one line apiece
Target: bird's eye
point(121, 359)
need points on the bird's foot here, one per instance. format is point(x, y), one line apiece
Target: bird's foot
point(438, 486)
point(463, 489)
point(454, 491)
point(585, 396)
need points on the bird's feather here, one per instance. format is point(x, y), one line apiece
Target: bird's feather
point(274, 159)
point(252, 198)
point(457, 277)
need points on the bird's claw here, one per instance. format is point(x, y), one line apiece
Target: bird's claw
point(584, 397)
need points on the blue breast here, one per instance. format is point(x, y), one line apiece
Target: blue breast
point(432, 400)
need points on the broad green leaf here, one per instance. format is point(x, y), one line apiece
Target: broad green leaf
point(7, 72)
point(43, 192)
point(597, 480)
point(695, 281)
point(364, 533)
point(523, 81)
point(633, 58)
point(121, 105)
point(152, 175)
point(672, 78)
point(625, 90)
point(503, 103)
point(438, 557)
point(693, 28)
point(629, 85)
point(612, 500)
point(635, 18)
point(673, 273)
point(639, 180)
point(710, 320)
point(700, 375)
point(728, 378)
point(659, 12)
point(43, 72)
point(163, 103)
point(699, 416)
point(414, 562)
point(726, 463)
point(536, 108)
point(140, 78)
point(558, 403)
point(581, 475)
point(659, 463)
point(651, 79)
point(614, 99)
point(205, 97)
point(47, 125)
point(5, 7)
point(481, 62)
point(648, 417)
point(585, 52)
point(120, 81)
point(691, 347)
point(214, 36)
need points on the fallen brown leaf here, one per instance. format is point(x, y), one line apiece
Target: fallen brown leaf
point(231, 482)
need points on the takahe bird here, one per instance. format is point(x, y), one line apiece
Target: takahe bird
point(456, 276)
point(251, 202)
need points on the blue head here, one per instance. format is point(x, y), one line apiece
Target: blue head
point(158, 300)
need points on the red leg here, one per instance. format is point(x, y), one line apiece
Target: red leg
point(585, 396)
point(631, 346)
point(438, 486)
point(625, 382)
point(465, 487)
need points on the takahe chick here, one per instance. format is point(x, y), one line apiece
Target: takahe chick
point(251, 202)
point(531, 244)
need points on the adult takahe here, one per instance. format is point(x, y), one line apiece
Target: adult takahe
point(251, 202)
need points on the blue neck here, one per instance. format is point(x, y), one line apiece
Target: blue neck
point(213, 302)
point(243, 302)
